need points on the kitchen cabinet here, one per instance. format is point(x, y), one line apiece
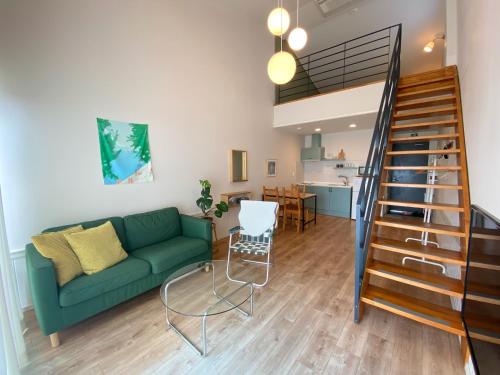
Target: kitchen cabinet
point(312, 153)
point(315, 152)
point(331, 200)
point(340, 202)
point(322, 199)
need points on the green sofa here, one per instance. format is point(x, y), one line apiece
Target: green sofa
point(158, 243)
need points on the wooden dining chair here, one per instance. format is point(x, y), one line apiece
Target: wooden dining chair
point(272, 195)
point(301, 188)
point(292, 207)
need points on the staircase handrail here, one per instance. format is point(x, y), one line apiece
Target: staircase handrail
point(365, 206)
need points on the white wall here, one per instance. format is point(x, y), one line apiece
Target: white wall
point(339, 104)
point(195, 71)
point(451, 34)
point(478, 62)
point(356, 145)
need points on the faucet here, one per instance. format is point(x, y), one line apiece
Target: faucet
point(346, 179)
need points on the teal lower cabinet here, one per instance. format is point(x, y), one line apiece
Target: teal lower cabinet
point(331, 200)
point(322, 200)
point(340, 202)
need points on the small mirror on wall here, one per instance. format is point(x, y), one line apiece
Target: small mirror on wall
point(238, 166)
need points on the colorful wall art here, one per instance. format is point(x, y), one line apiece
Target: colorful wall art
point(125, 153)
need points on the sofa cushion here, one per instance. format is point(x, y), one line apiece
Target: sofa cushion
point(87, 287)
point(116, 221)
point(165, 255)
point(97, 248)
point(152, 227)
point(54, 246)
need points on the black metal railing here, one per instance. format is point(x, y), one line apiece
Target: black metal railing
point(365, 206)
point(357, 61)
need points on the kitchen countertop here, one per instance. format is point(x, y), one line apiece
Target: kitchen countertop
point(327, 184)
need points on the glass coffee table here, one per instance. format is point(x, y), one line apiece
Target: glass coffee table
point(202, 289)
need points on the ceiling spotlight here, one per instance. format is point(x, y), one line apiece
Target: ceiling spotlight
point(299, 128)
point(430, 46)
point(352, 125)
point(317, 129)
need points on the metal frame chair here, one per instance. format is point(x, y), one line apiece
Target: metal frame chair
point(255, 236)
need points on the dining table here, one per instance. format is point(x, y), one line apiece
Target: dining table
point(303, 197)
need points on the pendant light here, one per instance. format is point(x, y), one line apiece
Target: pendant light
point(282, 66)
point(298, 36)
point(278, 21)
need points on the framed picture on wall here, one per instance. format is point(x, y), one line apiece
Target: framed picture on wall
point(271, 167)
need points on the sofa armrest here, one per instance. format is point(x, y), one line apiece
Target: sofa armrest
point(196, 228)
point(44, 291)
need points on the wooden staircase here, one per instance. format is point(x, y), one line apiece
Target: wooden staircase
point(427, 108)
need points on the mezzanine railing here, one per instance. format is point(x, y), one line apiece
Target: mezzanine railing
point(354, 62)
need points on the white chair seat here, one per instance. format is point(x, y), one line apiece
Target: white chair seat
point(258, 248)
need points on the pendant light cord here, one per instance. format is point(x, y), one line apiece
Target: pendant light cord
point(281, 24)
point(297, 13)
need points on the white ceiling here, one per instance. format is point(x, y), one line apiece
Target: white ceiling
point(421, 20)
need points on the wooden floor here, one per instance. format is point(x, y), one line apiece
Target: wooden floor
point(302, 324)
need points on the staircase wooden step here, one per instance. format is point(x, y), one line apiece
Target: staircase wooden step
point(446, 80)
point(422, 168)
point(416, 309)
point(435, 137)
point(426, 92)
point(424, 152)
point(482, 320)
point(418, 250)
point(433, 282)
point(432, 206)
point(394, 222)
point(485, 260)
point(483, 293)
point(421, 186)
point(424, 125)
point(425, 113)
point(425, 102)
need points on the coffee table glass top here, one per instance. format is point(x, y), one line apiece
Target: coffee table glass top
point(202, 288)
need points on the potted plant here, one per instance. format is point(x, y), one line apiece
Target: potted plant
point(205, 202)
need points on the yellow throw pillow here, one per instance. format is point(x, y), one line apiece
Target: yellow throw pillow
point(97, 248)
point(53, 245)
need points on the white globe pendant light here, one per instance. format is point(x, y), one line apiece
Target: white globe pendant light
point(281, 67)
point(278, 21)
point(297, 39)
point(298, 36)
